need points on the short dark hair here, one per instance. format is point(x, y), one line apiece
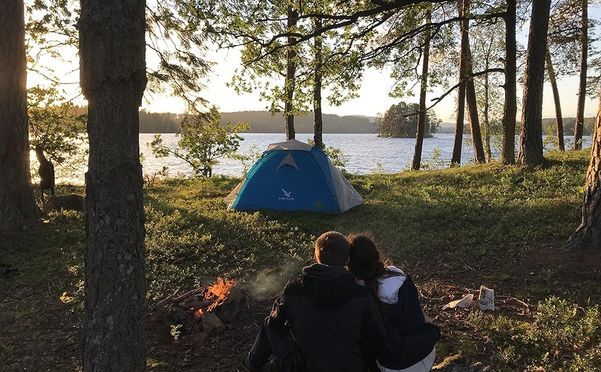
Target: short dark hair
point(332, 248)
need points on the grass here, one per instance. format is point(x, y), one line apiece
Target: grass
point(452, 229)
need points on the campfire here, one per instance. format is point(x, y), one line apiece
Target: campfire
point(215, 295)
point(213, 307)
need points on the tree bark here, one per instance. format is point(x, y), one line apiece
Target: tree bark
point(556, 98)
point(422, 115)
point(317, 77)
point(531, 140)
point(472, 104)
point(510, 106)
point(579, 123)
point(290, 81)
point(487, 149)
point(588, 234)
point(456, 159)
point(17, 204)
point(113, 79)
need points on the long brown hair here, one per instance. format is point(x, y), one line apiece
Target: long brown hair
point(365, 262)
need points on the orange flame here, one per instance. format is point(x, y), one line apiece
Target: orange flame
point(199, 312)
point(219, 292)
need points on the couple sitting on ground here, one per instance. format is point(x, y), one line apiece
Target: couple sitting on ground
point(347, 312)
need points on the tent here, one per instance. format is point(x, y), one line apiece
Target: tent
point(294, 176)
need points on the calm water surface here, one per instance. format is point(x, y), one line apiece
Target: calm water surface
point(363, 153)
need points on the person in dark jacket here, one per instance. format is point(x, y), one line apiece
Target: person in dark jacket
point(323, 321)
point(412, 335)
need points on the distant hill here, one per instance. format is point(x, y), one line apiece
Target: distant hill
point(263, 122)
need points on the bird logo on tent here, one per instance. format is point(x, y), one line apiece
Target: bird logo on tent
point(287, 194)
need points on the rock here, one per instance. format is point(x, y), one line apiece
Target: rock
point(211, 324)
point(229, 310)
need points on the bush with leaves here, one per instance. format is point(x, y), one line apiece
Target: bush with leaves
point(203, 140)
point(57, 126)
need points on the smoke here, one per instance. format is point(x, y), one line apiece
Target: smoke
point(270, 282)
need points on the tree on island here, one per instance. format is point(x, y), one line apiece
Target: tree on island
point(400, 121)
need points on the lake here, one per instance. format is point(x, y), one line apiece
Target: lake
point(363, 153)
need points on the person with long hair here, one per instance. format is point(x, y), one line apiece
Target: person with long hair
point(413, 334)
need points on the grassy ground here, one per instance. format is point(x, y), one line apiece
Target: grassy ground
point(453, 230)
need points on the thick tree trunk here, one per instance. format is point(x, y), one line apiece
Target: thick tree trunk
point(472, 104)
point(579, 124)
point(318, 118)
point(422, 115)
point(290, 82)
point(558, 115)
point(588, 234)
point(531, 140)
point(113, 79)
point(17, 204)
point(510, 107)
point(463, 72)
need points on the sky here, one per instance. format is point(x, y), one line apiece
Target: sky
point(373, 96)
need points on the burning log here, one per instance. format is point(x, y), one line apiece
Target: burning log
point(212, 306)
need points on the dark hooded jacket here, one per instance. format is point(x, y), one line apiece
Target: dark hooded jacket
point(335, 323)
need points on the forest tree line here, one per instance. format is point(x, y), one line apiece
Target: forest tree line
point(261, 122)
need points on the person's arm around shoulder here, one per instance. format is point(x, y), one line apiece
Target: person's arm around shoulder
point(278, 318)
point(375, 326)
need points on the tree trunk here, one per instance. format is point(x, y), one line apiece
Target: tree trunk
point(588, 234)
point(558, 115)
point(487, 149)
point(510, 107)
point(113, 79)
point(422, 115)
point(456, 159)
point(579, 124)
point(472, 104)
point(290, 81)
point(17, 204)
point(531, 140)
point(318, 118)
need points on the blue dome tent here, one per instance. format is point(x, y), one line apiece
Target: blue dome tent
point(294, 176)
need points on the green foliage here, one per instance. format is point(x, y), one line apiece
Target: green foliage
point(335, 155)
point(55, 125)
point(492, 218)
point(175, 37)
point(561, 337)
point(488, 51)
point(203, 140)
point(264, 64)
point(400, 120)
point(190, 235)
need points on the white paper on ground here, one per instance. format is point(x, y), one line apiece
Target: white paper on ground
point(466, 301)
point(487, 298)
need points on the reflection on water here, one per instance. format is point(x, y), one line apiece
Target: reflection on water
point(364, 153)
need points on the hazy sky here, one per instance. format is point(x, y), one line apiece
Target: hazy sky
point(373, 96)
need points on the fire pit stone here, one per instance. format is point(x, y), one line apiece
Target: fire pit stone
point(211, 324)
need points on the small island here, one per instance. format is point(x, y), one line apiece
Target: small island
point(398, 122)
